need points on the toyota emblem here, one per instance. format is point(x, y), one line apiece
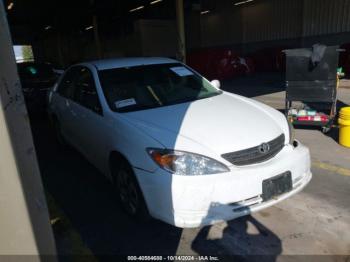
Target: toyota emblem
point(264, 148)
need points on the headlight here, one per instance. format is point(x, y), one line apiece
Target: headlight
point(186, 164)
point(291, 133)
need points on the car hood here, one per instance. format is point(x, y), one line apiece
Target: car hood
point(220, 124)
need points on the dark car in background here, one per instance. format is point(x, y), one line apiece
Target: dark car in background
point(36, 79)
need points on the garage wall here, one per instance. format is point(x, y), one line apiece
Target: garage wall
point(157, 37)
point(326, 17)
point(271, 20)
point(260, 20)
point(63, 48)
point(248, 27)
point(276, 22)
point(222, 26)
point(148, 38)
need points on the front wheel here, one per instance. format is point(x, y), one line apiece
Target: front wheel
point(128, 191)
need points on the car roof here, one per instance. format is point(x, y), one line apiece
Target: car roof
point(130, 61)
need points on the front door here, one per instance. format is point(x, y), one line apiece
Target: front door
point(90, 125)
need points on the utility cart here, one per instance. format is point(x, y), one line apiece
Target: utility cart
point(311, 86)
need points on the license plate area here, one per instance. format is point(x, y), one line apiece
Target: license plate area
point(277, 185)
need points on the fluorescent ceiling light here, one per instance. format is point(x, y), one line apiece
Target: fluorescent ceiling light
point(89, 27)
point(155, 1)
point(48, 27)
point(137, 8)
point(10, 6)
point(205, 12)
point(243, 2)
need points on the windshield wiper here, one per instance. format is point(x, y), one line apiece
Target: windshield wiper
point(135, 108)
point(194, 98)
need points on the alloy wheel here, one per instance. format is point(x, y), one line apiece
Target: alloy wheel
point(128, 193)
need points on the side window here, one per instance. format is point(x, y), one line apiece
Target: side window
point(66, 86)
point(85, 91)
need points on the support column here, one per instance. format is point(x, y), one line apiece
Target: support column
point(180, 21)
point(24, 219)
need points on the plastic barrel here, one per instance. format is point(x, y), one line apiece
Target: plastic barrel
point(344, 126)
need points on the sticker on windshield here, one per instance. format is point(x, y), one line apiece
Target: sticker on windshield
point(181, 71)
point(125, 103)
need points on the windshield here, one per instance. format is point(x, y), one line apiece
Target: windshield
point(142, 87)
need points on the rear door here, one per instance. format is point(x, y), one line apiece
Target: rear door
point(62, 101)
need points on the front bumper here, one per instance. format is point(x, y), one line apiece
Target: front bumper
point(192, 201)
point(219, 213)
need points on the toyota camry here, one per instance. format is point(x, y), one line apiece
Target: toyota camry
point(175, 146)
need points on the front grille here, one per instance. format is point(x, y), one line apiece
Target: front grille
point(256, 154)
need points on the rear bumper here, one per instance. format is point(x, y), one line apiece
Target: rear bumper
point(203, 200)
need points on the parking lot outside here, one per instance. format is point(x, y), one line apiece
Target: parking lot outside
point(314, 222)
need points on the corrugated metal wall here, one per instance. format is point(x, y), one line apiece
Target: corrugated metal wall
point(271, 20)
point(222, 26)
point(326, 17)
point(268, 20)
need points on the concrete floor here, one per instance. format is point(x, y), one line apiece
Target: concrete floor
point(314, 222)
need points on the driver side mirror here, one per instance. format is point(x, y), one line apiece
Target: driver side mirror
point(216, 83)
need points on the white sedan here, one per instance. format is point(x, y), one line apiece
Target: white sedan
point(175, 146)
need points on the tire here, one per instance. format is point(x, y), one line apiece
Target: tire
point(128, 191)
